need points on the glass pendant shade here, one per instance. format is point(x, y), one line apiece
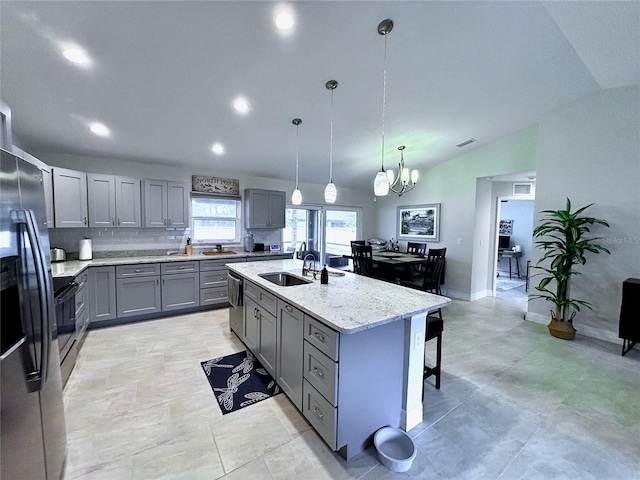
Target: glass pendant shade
point(406, 174)
point(330, 193)
point(381, 184)
point(296, 197)
point(390, 176)
point(414, 176)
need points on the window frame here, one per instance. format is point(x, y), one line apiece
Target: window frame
point(238, 220)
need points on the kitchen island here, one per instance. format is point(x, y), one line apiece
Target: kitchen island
point(349, 354)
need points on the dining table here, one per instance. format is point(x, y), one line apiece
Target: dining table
point(391, 264)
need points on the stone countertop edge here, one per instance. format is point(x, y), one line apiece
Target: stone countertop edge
point(73, 268)
point(348, 304)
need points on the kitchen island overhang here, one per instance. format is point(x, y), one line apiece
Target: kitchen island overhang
point(381, 329)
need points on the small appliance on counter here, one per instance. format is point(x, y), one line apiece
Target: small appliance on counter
point(258, 247)
point(58, 255)
point(84, 249)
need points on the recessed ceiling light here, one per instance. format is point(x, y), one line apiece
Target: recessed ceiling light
point(217, 148)
point(99, 129)
point(284, 20)
point(76, 55)
point(241, 105)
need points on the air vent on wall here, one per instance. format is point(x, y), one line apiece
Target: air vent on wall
point(522, 188)
point(465, 142)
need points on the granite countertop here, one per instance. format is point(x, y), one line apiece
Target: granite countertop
point(348, 304)
point(75, 267)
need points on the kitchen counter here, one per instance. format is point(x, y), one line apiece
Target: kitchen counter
point(73, 268)
point(348, 304)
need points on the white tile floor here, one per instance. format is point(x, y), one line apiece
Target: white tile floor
point(515, 403)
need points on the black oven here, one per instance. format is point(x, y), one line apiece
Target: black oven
point(65, 289)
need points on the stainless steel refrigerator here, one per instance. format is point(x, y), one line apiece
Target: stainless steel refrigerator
point(33, 441)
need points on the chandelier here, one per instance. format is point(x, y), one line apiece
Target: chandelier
point(406, 179)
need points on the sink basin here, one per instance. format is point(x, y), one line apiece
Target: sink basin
point(284, 279)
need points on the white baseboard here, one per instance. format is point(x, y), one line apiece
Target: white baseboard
point(456, 295)
point(587, 331)
point(411, 418)
point(481, 294)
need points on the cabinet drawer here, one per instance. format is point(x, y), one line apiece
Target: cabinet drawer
point(215, 278)
point(210, 265)
point(321, 372)
point(81, 299)
point(142, 270)
point(82, 279)
point(322, 337)
point(179, 267)
point(320, 414)
point(213, 295)
point(263, 298)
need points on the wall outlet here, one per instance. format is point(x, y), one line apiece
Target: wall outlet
point(460, 241)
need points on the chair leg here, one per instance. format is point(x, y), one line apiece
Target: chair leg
point(435, 370)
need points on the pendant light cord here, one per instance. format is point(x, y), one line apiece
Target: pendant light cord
point(331, 142)
point(297, 127)
point(384, 97)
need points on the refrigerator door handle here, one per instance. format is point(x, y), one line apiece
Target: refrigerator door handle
point(26, 218)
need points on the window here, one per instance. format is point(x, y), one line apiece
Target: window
point(215, 219)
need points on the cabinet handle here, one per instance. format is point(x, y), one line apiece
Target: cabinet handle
point(181, 268)
point(85, 220)
point(318, 372)
point(113, 222)
point(319, 336)
point(137, 270)
point(288, 308)
point(157, 282)
point(169, 222)
point(318, 413)
point(118, 222)
point(163, 281)
point(164, 222)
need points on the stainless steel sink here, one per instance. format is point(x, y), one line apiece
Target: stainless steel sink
point(284, 279)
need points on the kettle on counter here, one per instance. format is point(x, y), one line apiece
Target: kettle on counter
point(249, 243)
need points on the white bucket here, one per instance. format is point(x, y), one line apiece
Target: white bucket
point(396, 449)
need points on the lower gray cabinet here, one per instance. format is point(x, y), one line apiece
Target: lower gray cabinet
point(102, 293)
point(267, 348)
point(289, 347)
point(138, 290)
point(260, 325)
point(180, 290)
point(251, 324)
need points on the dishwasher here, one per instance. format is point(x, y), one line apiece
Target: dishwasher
point(236, 321)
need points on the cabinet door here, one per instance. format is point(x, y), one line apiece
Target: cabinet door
point(177, 204)
point(251, 325)
point(155, 203)
point(128, 210)
point(257, 208)
point(102, 200)
point(289, 362)
point(277, 205)
point(102, 293)
point(138, 296)
point(47, 183)
point(267, 346)
point(180, 290)
point(70, 198)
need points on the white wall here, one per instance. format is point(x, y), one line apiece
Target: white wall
point(589, 151)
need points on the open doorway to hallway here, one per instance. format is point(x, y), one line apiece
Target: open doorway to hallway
point(514, 246)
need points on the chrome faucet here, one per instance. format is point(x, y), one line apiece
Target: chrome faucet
point(305, 269)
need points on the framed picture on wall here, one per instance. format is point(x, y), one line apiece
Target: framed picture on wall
point(419, 222)
point(506, 227)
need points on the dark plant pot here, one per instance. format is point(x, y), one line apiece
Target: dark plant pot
point(563, 330)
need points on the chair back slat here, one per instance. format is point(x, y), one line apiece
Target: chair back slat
point(416, 248)
point(362, 259)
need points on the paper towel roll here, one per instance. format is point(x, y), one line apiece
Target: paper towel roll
point(84, 250)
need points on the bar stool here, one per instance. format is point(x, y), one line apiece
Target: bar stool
point(434, 329)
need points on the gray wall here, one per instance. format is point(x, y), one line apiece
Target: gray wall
point(589, 151)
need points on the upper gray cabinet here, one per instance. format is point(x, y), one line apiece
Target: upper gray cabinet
point(47, 182)
point(264, 208)
point(114, 201)
point(70, 198)
point(166, 204)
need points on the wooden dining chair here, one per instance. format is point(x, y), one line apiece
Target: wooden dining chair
point(362, 259)
point(416, 248)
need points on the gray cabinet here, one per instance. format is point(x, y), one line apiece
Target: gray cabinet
point(47, 182)
point(213, 282)
point(166, 204)
point(70, 198)
point(180, 285)
point(82, 306)
point(113, 201)
point(138, 290)
point(289, 345)
point(102, 293)
point(260, 325)
point(264, 208)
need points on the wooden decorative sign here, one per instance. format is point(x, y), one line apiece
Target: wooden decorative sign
point(219, 186)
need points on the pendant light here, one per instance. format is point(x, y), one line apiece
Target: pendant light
point(330, 192)
point(384, 181)
point(381, 182)
point(296, 196)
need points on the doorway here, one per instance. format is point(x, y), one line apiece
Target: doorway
point(514, 244)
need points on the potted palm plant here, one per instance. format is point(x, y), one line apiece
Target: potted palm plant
point(564, 244)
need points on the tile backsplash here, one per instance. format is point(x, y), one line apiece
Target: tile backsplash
point(142, 241)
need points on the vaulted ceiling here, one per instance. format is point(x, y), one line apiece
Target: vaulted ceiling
point(163, 76)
